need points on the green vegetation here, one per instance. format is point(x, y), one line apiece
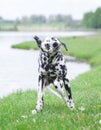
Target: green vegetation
point(26, 45)
point(92, 19)
point(40, 23)
point(59, 22)
point(15, 109)
point(87, 48)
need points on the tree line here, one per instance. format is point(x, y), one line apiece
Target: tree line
point(67, 20)
point(92, 19)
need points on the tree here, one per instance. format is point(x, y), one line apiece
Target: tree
point(1, 18)
point(37, 19)
point(24, 20)
point(88, 19)
point(68, 20)
point(98, 18)
point(92, 20)
point(65, 19)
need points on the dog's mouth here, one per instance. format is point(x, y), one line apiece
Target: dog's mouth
point(53, 50)
point(50, 52)
point(47, 46)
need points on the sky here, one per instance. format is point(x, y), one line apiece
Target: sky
point(12, 9)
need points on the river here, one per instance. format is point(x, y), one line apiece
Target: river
point(18, 68)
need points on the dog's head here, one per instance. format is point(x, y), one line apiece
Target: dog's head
point(50, 44)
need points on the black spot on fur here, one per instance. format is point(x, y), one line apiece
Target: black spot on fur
point(69, 91)
point(56, 87)
point(45, 58)
point(39, 78)
point(63, 67)
point(47, 67)
point(53, 39)
point(52, 67)
point(60, 57)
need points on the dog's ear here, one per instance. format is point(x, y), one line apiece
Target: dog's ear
point(37, 39)
point(64, 46)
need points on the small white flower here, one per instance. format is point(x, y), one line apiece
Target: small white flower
point(44, 121)
point(34, 112)
point(17, 121)
point(34, 120)
point(100, 122)
point(24, 116)
point(81, 108)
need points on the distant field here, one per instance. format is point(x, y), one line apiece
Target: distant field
point(41, 27)
point(15, 109)
point(8, 27)
point(32, 27)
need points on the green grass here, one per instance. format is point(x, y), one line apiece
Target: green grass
point(55, 115)
point(26, 45)
point(88, 48)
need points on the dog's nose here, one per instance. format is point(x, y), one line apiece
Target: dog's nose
point(47, 46)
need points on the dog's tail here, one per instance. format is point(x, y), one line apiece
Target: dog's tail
point(51, 91)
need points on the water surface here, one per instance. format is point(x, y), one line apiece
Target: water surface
point(18, 68)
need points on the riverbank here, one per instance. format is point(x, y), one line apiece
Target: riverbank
point(16, 108)
point(83, 48)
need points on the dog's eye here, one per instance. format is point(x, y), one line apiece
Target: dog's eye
point(55, 44)
point(53, 39)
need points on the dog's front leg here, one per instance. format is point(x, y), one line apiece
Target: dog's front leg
point(69, 102)
point(39, 105)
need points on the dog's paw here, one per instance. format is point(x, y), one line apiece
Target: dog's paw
point(70, 104)
point(39, 107)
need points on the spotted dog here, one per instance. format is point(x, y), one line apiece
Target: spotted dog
point(52, 69)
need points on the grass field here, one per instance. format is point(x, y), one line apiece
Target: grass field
point(26, 45)
point(15, 109)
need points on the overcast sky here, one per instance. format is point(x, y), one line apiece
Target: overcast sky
point(12, 9)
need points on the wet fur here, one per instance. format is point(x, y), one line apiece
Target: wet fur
point(52, 70)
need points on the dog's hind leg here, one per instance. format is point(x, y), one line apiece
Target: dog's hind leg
point(51, 91)
point(69, 102)
point(40, 102)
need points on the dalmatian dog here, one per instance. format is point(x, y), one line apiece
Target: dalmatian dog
point(52, 70)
